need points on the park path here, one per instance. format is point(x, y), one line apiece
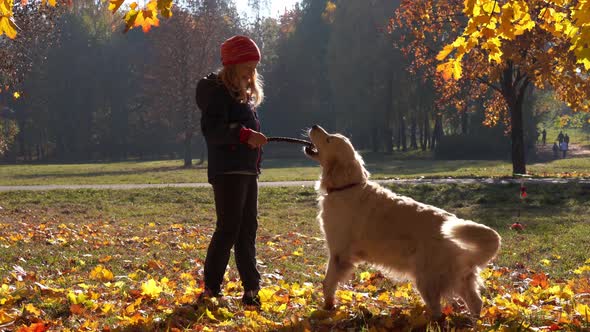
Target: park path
point(545, 152)
point(291, 184)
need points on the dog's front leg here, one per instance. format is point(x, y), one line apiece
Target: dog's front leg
point(339, 266)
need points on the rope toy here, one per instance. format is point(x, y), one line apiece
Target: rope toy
point(289, 140)
point(309, 147)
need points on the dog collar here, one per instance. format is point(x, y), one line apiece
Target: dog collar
point(348, 186)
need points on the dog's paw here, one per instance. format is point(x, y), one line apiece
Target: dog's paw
point(329, 305)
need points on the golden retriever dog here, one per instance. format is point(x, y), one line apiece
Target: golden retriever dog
point(364, 222)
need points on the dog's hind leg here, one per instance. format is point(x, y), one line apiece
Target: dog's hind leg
point(469, 292)
point(339, 267)
point(430, 292)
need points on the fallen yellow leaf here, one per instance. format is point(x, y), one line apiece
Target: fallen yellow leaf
point(151, 289)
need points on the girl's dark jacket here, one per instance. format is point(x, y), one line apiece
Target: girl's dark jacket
point(225, 124)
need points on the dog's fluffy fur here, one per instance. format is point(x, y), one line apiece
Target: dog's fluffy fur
point(364, 222)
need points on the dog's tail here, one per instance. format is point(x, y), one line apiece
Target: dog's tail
point(481, 242)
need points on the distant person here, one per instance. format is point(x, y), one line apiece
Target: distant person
point(560, 137)
point(563, 148)
point(544, 137)
point(555, 150)
point(566, 139)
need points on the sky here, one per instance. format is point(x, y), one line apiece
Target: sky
point(277, 6)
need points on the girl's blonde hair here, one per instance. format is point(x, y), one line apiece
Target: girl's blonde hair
point(250, 93)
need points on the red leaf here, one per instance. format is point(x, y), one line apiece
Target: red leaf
point(36, 327)
point(135, 293)
point(523, 193)
point(447, 310)
point(540, 279)
point(76, 309)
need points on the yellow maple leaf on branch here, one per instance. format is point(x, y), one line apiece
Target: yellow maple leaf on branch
point(115, 4)
point(451, 69)
point(493, 22)
point(146, 17)
point(7, 25)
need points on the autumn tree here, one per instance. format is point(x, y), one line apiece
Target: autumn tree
point(89, 112)
point(134, 15)
point(8, 129)
point(300, 93)
point(37, 34)
point(187, 48)
point(334, 65)
point(502, 46)
point(366, 72)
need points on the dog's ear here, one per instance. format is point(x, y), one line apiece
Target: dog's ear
point(360, 160)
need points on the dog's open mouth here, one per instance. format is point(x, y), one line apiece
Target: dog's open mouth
point(310, 150)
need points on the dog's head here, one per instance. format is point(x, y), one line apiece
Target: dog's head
point(341, 164)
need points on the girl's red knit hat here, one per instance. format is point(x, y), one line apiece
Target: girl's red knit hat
point(239, 49)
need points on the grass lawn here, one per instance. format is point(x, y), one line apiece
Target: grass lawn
point(132, 261)
point(170, 171)
point(411, 164)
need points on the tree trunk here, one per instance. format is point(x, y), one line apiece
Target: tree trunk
point(188, 156)
point(374, 140)
point(426, 133)
point(22, 144)
point(421, 136)
point(203, 152)
point(42, 145)
point(399, 137)
point(518, 156)
point(388, 140)
point(60, 147)
point(514, 86)
point(389, 115)
point(402, 133)
point(413, 139)
point(438, 133)
point(464, 121)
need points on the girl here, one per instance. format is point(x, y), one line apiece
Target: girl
point(228, 101)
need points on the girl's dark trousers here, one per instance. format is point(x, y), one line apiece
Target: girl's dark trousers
point(236, 204)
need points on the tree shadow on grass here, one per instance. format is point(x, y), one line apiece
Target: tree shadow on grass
point(548, 199)
point(193, 317)
point(321, 320)
point(432, 167)
point(63, 175)
point(183, 317)
point(289, 162)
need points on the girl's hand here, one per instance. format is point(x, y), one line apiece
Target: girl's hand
point(257, 140)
